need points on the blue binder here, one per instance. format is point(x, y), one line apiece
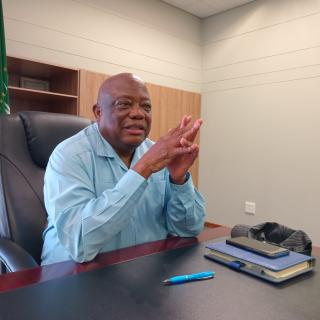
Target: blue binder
point(274, 270)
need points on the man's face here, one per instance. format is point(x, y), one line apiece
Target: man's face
point(124, 118)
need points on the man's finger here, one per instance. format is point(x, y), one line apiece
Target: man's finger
point(184, 129)
point(172, 130)
point(183, 124)
point(192, 149)
point(192, 133)
point(179, 132)
point(182, 121)
point(185, 143)
point(185, 121)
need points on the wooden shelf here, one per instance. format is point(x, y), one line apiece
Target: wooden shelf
point(36, 69)
point(37, 95)
point(63, 84)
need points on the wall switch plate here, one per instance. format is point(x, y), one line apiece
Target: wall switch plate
point(250, 207)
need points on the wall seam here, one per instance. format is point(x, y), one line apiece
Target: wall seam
point(262, 84)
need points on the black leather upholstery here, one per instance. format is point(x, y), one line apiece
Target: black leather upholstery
point(26, 142)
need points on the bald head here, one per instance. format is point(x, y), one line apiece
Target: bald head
point(118, 84)
point(123, 112)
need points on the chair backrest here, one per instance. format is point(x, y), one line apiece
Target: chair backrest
point(26, 141)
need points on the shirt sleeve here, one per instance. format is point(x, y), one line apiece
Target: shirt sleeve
point(185, 209)
point(84, 222)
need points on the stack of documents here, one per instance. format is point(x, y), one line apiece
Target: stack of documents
point(271, 269)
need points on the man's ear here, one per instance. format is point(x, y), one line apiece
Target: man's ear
point(96, 111)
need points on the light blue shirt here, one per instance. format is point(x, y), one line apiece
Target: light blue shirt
point(96, 204)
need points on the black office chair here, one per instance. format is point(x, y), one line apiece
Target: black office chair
point(26, 142)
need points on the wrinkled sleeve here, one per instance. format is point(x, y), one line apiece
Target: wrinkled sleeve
point(185, 208)
point(84, 222)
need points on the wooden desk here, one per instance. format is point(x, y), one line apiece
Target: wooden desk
point(24, 278)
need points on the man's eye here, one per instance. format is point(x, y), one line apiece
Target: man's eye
point(146, 107)
point(123, 104)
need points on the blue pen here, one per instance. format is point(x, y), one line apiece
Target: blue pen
point(189, 277)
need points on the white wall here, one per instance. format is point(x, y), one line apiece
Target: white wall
point(147, 37)
point(261, 105)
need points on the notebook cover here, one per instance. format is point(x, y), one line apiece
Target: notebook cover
point(260, 271)
point(276, 264)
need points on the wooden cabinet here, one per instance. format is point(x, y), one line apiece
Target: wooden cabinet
point(39, 86)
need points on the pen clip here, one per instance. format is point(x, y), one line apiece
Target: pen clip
point(204, 278)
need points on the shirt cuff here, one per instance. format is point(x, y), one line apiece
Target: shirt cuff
point(187, 187)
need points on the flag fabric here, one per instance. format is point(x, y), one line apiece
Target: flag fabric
point(4, 94)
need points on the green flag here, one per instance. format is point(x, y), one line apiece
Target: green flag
point(4, 94)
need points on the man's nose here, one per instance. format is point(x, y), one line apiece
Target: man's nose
point(136, 111)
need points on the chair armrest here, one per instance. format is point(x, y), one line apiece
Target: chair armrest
point(14, 257)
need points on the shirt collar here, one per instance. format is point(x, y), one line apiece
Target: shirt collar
point(104, 149)
point(100, 145)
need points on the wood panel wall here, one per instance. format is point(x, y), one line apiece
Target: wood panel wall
point(90, 83)
point(168, 106)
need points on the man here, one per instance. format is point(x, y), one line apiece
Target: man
point(110, 187)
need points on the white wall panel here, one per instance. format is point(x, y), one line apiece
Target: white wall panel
point(155, 14)
point(301, 58)
point(260, 103)
point(267, 78)
point(286, 37)
point(254, 16)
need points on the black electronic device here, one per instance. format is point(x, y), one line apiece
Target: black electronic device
point(259, 247)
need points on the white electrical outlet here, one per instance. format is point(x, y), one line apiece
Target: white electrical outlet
point(250, 207)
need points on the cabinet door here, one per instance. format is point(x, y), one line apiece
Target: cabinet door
point(90, 83)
